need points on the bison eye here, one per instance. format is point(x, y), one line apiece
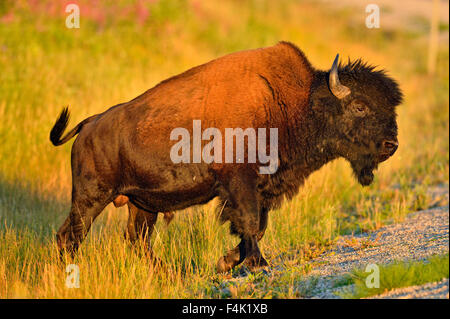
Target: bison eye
point(359, 108)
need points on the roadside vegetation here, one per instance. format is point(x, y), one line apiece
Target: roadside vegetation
point(399, 275)
point(120, 51)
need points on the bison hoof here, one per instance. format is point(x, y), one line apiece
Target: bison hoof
point(253, 263)
point(223, 265)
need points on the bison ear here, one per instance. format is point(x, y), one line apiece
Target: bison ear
point(338, 90)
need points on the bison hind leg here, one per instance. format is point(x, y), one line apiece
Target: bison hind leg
point(140, 227)
point(87, 204)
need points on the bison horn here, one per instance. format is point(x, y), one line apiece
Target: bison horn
point(339, 90)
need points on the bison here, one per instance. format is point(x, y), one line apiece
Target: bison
point(139, 220)
point(346, 112)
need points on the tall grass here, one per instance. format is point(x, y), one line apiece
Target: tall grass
point(115, 56)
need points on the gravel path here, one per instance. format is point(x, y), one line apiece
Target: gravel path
point(436, 290)
point(421, 235)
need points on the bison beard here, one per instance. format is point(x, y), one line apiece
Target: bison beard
point(364, 171)
point(123, 154)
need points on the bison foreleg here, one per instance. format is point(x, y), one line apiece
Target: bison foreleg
point(248, 220)
point(233, 257)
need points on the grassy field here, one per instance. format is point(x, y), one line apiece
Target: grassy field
point(122, 50)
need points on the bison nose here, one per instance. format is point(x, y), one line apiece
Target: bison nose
point(390, 147)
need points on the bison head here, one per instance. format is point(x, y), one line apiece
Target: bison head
point(361, 115)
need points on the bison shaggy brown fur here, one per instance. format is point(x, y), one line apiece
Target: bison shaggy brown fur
point(345, 112)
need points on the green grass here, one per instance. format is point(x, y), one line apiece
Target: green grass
point(398, 275)
point(45, 66)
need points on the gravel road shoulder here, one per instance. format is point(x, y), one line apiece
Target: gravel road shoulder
point(435, 290)
point(421, 235)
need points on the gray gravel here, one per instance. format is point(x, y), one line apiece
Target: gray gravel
point(421, 235)
point(436, 290)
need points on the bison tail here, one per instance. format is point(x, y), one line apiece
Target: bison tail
point(61, 125)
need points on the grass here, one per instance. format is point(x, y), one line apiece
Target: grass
point(114, 57)
point(398, 275)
